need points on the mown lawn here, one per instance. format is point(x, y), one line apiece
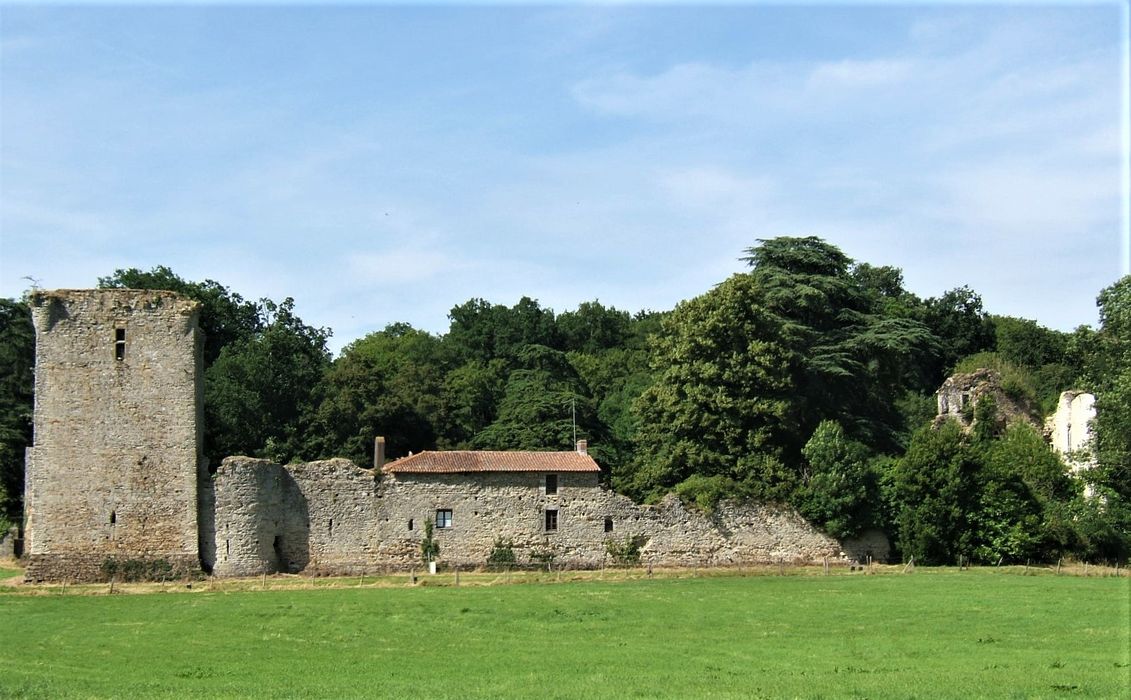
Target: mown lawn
point(930, 633)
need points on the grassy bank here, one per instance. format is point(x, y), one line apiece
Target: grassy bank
point(932, 633)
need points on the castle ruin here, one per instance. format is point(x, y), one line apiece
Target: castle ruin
point(117, 473)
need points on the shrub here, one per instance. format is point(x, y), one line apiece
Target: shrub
point(626, 553)
point(705, 492)
point(543, 557)
point(137, 569)
point(429, 547)
point(502, 554)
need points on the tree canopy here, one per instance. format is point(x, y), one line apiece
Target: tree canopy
point(807, 379)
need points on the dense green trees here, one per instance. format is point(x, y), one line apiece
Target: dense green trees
point(747, 371)
point(808, 379)
point(17, 359)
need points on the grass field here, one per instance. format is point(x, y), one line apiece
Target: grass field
point(929, 633)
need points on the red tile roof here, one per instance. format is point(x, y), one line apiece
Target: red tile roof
point(460, 461)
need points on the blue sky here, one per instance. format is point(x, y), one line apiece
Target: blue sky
point(383, 163)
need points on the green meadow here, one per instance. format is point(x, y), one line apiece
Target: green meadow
point(928, 633)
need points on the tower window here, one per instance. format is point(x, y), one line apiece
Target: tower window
point(410, 524)
point(119, 344)
point(113, 517)
point(551, 484)
point(551, 520)
point(608, 524)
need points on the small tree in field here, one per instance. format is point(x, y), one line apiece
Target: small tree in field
point(429, 547)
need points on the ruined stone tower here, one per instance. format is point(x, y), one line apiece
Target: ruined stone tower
point(116, 468)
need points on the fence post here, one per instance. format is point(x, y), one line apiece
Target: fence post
point(909, 565)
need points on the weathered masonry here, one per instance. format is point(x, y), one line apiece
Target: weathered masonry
point(116, 464)
point(116, 473)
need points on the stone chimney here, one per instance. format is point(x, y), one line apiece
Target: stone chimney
point(378, 453)
point(582, 447)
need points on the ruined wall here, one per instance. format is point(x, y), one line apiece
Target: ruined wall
point(268, 518)
point(115, 464)
point(10, 546)
point(333, 517)
point(960, 393)
point(1069, 430)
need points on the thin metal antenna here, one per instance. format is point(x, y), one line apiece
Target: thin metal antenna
point(573, 414)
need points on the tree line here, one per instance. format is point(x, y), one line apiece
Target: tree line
point(808, 379)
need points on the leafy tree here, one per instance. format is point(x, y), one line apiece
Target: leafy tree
point(935, 487)
point(1026, 343)
point(389, 383)
point(745, 371)
point(1110, 373)
point(961, 326)
point(593, 327)
point(839, 489)
point(259, 388)
point(539, 404)
point(17, 386)
point(483, 331)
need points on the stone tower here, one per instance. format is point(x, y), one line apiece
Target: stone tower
point(116, 467)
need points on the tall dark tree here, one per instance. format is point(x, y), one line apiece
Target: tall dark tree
point(747, 371)
point(483, 331)
point(259, 388)
point(543, 401)
point(17, 386)
point(390, 383)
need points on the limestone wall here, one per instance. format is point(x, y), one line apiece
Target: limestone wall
point(115, 464)
point(268, 518)
point(334, 517)
point(1069, 430)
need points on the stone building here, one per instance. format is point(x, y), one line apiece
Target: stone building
point(1069, 430)
point(115, 468)
point(116, 474)
point(960, 394)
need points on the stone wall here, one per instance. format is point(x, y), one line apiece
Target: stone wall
point(960, 393)
point(114, 469)
point(268, 518)
point(10, 544)
point(1069, 430)
point(334, 517)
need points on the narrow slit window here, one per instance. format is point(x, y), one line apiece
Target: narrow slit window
point(551, 520)
point(119, 344)
point(113, 517)
point(551, 484)
point(410, 524)
point(608, 524)
point(330, 529)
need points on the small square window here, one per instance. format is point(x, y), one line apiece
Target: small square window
point(551, 520)
point(551, 484)
point(443, 518)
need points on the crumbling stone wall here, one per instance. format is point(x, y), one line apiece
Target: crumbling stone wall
point(960, 393)
point(1069, 430)
point(334, 517)
point(115, 465)
point(268, 518)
